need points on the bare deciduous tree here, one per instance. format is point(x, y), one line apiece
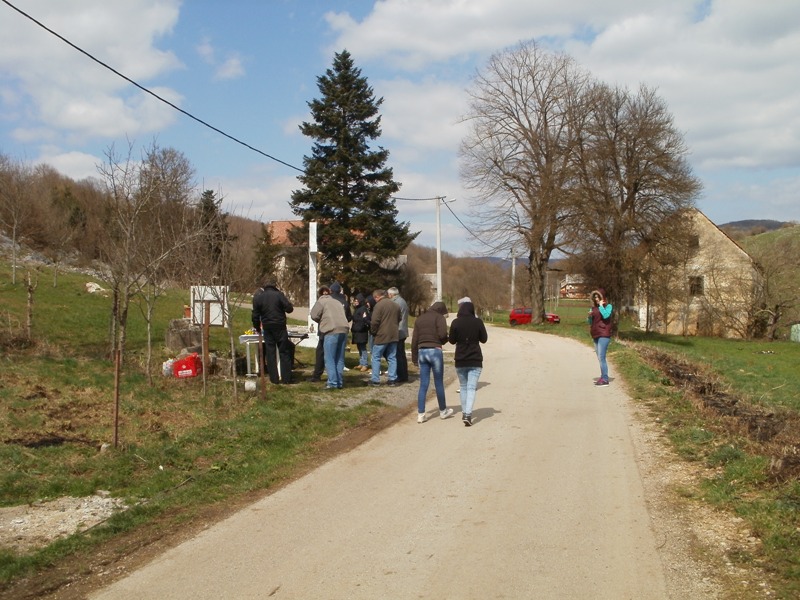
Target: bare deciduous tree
point(148, 220)
point(527, 117)
point(634, 178)
point(16, 204)
point(779, 305)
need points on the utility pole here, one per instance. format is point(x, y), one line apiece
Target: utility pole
point(513, 276)
point(438, 199)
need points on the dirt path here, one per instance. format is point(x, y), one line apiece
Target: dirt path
point(542, 498)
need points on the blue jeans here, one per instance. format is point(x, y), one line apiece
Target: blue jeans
point(363, 357)
point(468, 379)
point(600, 348)
point(388, 351)
point(431, 359)
point(333, 347)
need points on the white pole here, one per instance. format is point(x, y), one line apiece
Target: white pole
point(312, 339)
point(513, 276)
point(438, 251)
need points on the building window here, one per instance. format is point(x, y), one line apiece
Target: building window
point(696, 286)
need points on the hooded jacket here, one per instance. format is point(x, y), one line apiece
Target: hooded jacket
point(430, 330)
point(360, 326)
point(600, 316)
point(468, 332)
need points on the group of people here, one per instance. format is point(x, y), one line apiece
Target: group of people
point(379, 328)
point(467, 332)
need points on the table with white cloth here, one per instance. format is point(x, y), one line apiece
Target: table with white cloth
point(248, 339)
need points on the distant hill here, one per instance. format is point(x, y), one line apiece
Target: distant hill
point(755, 225)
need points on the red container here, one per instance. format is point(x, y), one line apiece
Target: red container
point(189, 366)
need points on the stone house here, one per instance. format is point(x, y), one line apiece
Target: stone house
point(713, 290)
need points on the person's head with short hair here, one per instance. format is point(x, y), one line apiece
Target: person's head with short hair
point(393, 291)
point(378, 294)
point(323, 290)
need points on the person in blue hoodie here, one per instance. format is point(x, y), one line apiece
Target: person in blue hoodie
point(467, 333)
point(600, 327)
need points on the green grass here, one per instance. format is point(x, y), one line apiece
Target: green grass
point(180, 448)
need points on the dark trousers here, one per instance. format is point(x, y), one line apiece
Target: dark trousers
point(402, 361)
point(319, 359)
point(278, 348)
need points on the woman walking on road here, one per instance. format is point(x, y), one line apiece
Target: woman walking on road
point(430, 332)
point(600, 329)
point(468, 332)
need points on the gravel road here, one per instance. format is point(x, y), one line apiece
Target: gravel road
point(544, 497)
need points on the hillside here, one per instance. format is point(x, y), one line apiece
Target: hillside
point(749, 227)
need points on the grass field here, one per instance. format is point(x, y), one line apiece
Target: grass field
point(182, 449)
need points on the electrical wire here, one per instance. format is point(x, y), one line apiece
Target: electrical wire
point(201, 121)
point(148, 91)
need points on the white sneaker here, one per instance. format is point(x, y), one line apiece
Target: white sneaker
point(443, 414)
point(422, 417)
point(458, 391)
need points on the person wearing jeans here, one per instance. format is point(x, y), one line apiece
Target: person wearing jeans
point(329, 313)
point(600, 327)
point(334, 347)
point(384, 324)
point(468, 380)
point(468, 332)
point(430, 332)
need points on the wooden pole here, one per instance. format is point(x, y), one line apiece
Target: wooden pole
point(206, 339)
point(117, 369)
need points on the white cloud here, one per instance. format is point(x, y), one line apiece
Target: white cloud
point(422, 115)
point(77, 165)
point(728, 76)
point(260, 194)
point(206, 51)
point(232, 68)
point(65, 89)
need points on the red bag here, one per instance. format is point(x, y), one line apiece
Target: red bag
point(189, 366)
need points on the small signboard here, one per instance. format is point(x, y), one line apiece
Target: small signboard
point(217, 298)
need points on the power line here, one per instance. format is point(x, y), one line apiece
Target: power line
point(197, 119)
point(147, 91)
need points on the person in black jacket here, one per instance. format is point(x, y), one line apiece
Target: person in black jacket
point(360, 330)
point(468, 332)
point(270, 306)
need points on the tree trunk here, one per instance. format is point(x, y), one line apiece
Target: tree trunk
point(29, 319)
point(537, 270)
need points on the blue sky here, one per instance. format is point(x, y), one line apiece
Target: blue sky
point(727, 69)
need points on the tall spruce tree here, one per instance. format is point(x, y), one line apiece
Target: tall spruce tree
point(347, 186)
